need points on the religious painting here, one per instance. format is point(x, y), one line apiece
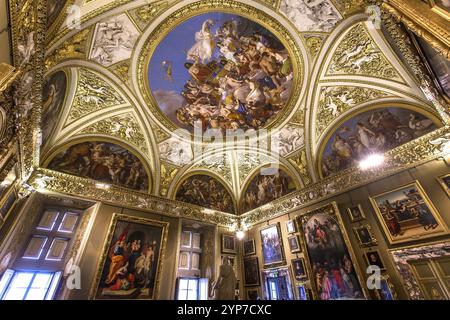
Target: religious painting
point(254, 294)
point(54, 9)
point(407, 214)
point(298, 269)
point(53, 97)
point(130, 265)
point(373, 258)
point(264, 188)
point(228, 243)
point(205, 191)
point(364, 236)
point(356, 213)
point(290, 226)
point(294, 245)
point(272, 245)
point(249, 247)
point(445, 183)
point(102, 161)
point(334, 272)
point(374, 131)
point(220, 71)
point(251, 272)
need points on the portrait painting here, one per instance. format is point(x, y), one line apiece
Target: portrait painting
point(364, 236)
point(264, 188)
point(374, 131)
point(444, 181)
point(253, 294)
point(131, 262)
point(53, 97)
point(373, 258)
point(334, 272)
point(220, 71)
point(272, 245)
point(54, 9)
point(298, 269)
point(294, 244)
point(290, 226)
point(205, 191)
point(228, 243)
point(249, 247)
point(251, 272)
point(102, 161)
point(356, 213)
point(407, 214)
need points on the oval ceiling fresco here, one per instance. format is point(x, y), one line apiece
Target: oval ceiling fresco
point(205, 191)
point(53, 94)
point(220, 71)
point(102, 161)
point(264, 188)
point(374, 131)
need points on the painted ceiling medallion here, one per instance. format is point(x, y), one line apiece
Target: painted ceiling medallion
point(221, 71)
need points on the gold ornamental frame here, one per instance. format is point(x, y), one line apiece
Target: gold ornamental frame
point(427, 202)
point(350, 214)
point(107, 244)
point(373, 241)
point(224, 6)
point(331, 209)
point(276, 264)
point(443, 184)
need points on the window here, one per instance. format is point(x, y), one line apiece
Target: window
point(25, 285)
point(192, 289)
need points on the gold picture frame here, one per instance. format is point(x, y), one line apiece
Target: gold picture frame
point(444, 184)
point(267, 261)
point(395, 231)
point(117, 218)
point(369, 239)
point(353, 217)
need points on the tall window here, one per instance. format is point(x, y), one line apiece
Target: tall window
point(36, 273)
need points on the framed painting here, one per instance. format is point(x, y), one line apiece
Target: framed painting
point(331, 262)
point(131, 262)
point(272, 245)
point(444, 181)
point(228, 243)
point(364, 235)
point(298, 269)
point(407, 213)
point(294, 244)
point(254, 294)
point(373, 258)
point(303, 293)
point(290, 226)
point(356, 213)
point(249, 247)
point(386, 291)
point(251, 272)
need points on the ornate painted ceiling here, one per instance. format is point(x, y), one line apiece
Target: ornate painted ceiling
point(313, 85)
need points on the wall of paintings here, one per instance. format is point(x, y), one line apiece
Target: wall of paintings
point(374, 225)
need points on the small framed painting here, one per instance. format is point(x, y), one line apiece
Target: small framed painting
point(444, 181)
point(228, 243)
point(253, 294)
point(249, 247)
point(294, 244)
point(373, 258)
point(298, 269)
point(290, 226)
point(251, 272)
point(356, 213)
point(364, 236)
point(386, 291)
point(303, 293)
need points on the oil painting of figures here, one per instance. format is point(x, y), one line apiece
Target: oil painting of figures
point(334, 273)
point(272, 245)
point(220, 71)
point(131, 264)
point(102, 161)
point(374, 131)
point(54, 92)
point(406, 213)
point(205, 191)
point(266, 188)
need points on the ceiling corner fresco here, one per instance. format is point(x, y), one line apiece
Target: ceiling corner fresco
point(325, 85)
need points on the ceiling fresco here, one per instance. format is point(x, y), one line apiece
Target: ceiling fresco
point(318, 74)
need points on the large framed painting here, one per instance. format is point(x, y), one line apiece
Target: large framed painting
point(335, 274)
point(407, 213)
point(272, 245)
point(445, 183)
point(131, 263)
point(251, 272)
